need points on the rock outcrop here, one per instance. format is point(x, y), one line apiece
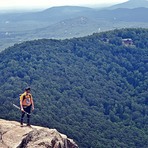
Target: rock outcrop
point(14, 136)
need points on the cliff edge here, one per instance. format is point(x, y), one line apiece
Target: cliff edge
point(14, 136)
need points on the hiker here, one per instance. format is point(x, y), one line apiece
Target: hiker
point(26, 105)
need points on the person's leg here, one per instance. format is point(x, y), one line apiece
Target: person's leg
point(28, 110)
point(28, 120)
point(22, 118)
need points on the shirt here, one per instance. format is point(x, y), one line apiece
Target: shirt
point(26, 99)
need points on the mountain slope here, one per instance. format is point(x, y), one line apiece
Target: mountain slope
point(93, 89)
point(131, 4)
point(124, 15)
point(86, 25)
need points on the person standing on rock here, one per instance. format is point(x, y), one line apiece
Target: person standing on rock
point(26, 105)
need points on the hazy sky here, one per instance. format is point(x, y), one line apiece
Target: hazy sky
point(20, 4)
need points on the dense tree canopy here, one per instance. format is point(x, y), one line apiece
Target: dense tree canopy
point(94, 89)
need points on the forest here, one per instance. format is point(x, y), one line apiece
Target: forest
point(94, 89)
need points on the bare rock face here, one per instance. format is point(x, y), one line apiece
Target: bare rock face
point(14, 136)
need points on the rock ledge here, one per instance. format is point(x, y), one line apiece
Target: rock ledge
point(14, 136)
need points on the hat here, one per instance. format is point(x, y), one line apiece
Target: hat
point(27, 88)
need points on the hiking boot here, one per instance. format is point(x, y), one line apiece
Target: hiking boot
point(21, 124)
point(28, 125)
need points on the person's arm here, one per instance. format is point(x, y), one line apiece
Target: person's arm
point(21, 104)
point(32, 103)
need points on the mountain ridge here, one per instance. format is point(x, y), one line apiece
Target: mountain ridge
point(131, 4)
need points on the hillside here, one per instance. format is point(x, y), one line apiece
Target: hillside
point(14, 136)
point(93, 89)
point(124, 15)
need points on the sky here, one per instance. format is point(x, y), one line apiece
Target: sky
point(36, 4)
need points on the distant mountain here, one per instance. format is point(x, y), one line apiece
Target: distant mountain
point(85, 25)
point(125, 14)
point(72, 27)
point(58, 14)
point(67, 22)
point(131, 4)
point(54, 14)
point(68, 10)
